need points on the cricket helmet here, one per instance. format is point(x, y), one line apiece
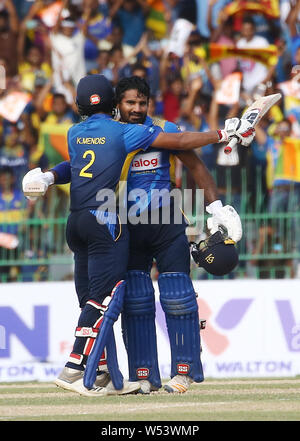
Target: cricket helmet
point(217, 254)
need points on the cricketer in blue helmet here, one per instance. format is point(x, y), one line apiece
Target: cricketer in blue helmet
point(86, 202)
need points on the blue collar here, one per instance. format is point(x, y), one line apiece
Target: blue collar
point(100, 116)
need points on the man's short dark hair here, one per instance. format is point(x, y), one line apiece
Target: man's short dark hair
point(132, 83)
point(5, 169)
point(248, 19)
point(59, 95)
point(139, 66)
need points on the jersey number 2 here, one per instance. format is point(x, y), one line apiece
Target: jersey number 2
point(83, 172)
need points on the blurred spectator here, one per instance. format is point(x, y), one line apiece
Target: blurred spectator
point(12, 211)
point(285, 193)
point(67, 42)
point(171, 86)
point(267, 243)
point(130, 15)
point(179, 34)
point(13, 205)
point(284, 64)
point(222, 34)
point(284, 184)
point(98, 27)
point(254, 73)
point(61, 111)
point(39, 105)
point(291, 93)
point(292, 21)
point(103, 67)
point(119, 64)
point(34, 27)
point(33, 52)
point(185, 9)
point(172, 98)
point(14, 155)
point(196, 67)
point(123, 65)
point(32, 65)
point(188, 119)
point(34, 248)
point(9, 28)
point(257, 166)
point(257, 163)
point(35, 159)
point(115, 39)
point(147, 65)
point(203, 25)
point(139, 70)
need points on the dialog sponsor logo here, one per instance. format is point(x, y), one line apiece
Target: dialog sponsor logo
point(144, 162)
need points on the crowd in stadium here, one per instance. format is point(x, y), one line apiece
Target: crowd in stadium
point(182, 48)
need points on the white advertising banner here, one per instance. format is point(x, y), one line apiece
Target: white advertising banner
point(252, 329)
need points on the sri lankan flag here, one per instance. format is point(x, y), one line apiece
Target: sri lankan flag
point(269, 8)
point(53, 143)
point(156, 20)
point(287, 165)
point(213, 52)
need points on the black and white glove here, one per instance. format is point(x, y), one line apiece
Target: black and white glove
point(35, 183)
point(226, 217)
point(239, 128)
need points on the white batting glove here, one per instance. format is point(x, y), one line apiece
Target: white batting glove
point(36, 176)
point(239, 128)
point(225, 216)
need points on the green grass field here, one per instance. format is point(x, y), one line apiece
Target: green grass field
point(213, 400)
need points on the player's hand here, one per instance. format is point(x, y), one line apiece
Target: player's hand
point(245, 132)
point(239, 128)
point(225, 216)
point(35, 183)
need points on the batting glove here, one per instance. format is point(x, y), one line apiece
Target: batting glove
point(239, 128)
point(226, 217)
point(37, 176)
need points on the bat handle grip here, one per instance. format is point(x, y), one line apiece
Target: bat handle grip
point(232, 143)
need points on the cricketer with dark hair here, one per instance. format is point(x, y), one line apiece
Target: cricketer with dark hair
point(105, 246)
point(168, 245)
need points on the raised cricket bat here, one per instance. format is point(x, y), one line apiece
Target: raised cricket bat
point(254, 114)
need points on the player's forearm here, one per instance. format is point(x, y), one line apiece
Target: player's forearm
point(186, 140)
point(192, 140)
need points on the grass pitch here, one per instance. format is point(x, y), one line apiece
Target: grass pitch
point(213, 400)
